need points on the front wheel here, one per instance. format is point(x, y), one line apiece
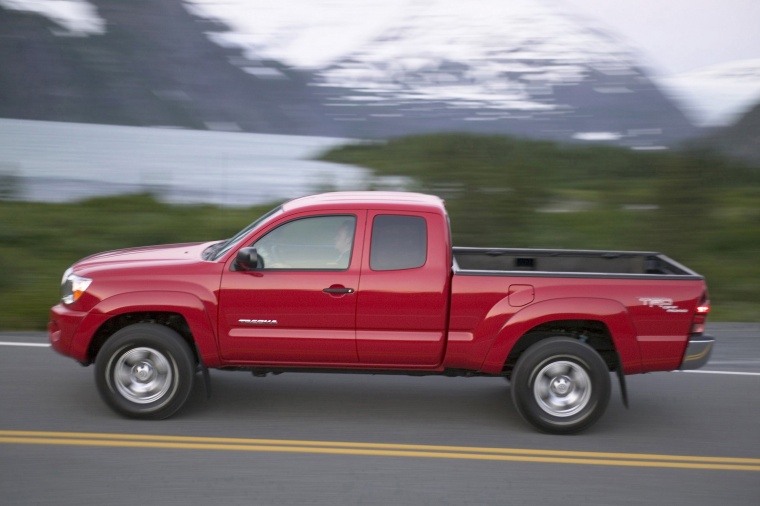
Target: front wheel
point(145, 371)
point(560, 385)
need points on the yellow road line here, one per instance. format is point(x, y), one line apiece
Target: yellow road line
point(378, 449)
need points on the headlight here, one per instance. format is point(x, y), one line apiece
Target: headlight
point(73, 286)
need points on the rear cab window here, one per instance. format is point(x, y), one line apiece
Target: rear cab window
point(399, 242)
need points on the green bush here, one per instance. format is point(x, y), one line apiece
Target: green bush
point(702, 210)
point(696, 207)
point(39, 241)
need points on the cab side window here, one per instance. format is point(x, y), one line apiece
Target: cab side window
point(398, 242)
point(314, 243)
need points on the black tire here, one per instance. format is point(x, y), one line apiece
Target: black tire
point(560, 385)
point(145, 371)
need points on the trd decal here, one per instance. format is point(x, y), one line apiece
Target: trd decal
point(663, 303)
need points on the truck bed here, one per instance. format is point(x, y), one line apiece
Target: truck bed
point(586, 263)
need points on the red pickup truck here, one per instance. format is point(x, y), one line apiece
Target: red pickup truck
point(369, 282)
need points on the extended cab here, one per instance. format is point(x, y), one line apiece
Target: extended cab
point(370, 282)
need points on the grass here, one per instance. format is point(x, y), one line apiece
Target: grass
point(39, 241)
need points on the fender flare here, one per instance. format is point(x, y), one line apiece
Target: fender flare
point(610, 312)
point(188, 305)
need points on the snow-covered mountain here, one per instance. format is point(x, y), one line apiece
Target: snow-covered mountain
point(506, 55)
point(373, 68)
point(717, 95)
point(306, 34)
point(480, 61)
point(74, 17)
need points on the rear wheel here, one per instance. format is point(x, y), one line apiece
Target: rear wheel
point(560, 385)
point(145, 371)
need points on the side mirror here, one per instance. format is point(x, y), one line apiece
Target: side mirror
point(247, 259)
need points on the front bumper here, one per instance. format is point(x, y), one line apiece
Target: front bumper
point(63, 326)
point(697, 353)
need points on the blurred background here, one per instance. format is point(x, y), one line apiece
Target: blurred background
point(543, 123)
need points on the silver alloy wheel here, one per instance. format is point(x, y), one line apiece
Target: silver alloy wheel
point(143, 375)
point(562, 388)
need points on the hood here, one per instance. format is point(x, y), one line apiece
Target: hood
point(150, 255)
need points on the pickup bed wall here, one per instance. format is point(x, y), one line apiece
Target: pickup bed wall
point(567, 261)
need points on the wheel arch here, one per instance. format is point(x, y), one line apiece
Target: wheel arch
point(595, 333)
point(603, 323)
point(182, 312)
point(173, 320)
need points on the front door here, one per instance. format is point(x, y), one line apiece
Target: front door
point(299, 307)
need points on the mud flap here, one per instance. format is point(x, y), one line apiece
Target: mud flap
point(204, 373)
point(621, 378)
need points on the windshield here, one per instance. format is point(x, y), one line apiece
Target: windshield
point(218, 250)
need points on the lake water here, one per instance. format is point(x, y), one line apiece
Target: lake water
point(60, 162)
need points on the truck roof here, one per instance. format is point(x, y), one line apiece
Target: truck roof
point(368, 200)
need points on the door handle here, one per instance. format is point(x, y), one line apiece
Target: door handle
point(338, 290)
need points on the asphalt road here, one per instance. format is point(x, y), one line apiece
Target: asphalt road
point(687, 439)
